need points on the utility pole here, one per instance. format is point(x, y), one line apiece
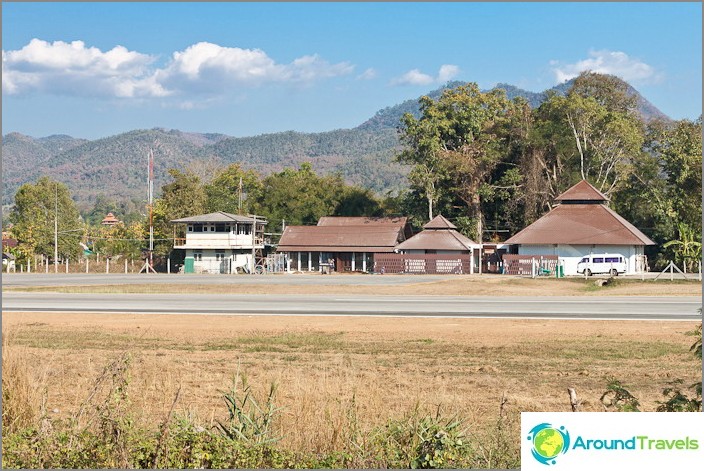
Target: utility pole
point(149, 263)
point(56, 229)
point(254, 243)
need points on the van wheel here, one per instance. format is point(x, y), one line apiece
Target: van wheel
point(614, 272)
point(589, 272)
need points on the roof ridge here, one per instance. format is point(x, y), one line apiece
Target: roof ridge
point(630, 227)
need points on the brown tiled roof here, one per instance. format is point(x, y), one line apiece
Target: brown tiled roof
point(361, 221)
point(341, 238)
point(448, 239)
point(439, 222)
point(109, 220)
point(581, 224)
point(9, 242)
point(582, 191)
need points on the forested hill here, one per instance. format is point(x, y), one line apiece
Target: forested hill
point(116, 166)
point(389, 117)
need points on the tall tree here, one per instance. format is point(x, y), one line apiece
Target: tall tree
point(184, 196)
point(233, 190)
point(299, 196)
point(42, 211)
point(460, 136)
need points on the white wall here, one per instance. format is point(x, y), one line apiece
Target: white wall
point(570, 255)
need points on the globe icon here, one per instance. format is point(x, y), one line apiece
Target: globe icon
point(548, 443)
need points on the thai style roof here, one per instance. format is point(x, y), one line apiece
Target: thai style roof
point(576, 223)
point(438, 234)
point(219, 216)
point(439, 222)
point(109, 220)
point(582, 191)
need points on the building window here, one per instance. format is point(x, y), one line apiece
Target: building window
point(190, 228)
point(197, 227)
point(219, 256)
point(220, 228)
point(244, 229)
point(197, 255)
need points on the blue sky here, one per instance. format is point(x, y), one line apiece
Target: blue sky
point(92, 70)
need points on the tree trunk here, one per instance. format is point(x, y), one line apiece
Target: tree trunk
point(475, 208)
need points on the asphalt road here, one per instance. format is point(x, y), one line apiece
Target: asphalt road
point(606, 308)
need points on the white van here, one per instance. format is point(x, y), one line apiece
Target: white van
point(613, 264)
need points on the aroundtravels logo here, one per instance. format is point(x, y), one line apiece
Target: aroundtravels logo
point(548, 442)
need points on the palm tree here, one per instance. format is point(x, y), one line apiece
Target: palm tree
point(687, 249)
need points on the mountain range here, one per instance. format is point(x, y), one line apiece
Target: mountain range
point(116, 166)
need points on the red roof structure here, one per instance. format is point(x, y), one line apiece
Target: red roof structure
point(345, 234)
point(438, 234)
point(581, 218)
point(109, 220)
point(582, 191)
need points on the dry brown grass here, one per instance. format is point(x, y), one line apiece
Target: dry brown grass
point(23, 387)
point(471, 285)
point(338, 375)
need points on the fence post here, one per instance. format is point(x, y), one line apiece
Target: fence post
point(125, 266)
point(22, 268)
point(168, 266)
point(86, 264)
point(107, 265)
point(46, 265)
point(66, 265)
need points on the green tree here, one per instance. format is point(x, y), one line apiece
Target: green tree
point(299, 196)
point(459, 139)
point(592, 133)
point(37, 207)
point(223, 191)
point(679, 151)
point(184, 196)
point(687, 248)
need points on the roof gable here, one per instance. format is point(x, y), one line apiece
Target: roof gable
point(439, 222)
point(448, 239)
point(582, 191)
point(581, 224)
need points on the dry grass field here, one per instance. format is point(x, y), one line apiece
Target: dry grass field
point(337, 375)
point(341, 379)
point(470, 285)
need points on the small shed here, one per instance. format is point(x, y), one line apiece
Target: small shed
point(581, 224)
point(438, 248)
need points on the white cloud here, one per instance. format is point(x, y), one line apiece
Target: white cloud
point(368, 74)
point(447, 72)
point(606, 62)
point(73, 68)
point(203, 68)
point(416, 77)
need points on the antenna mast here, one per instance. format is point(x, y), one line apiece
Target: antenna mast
point(149, 262)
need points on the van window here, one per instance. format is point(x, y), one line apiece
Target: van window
point(584, 260)
point(598, 260)
point(613, 259)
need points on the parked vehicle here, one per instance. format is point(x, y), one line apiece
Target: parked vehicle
point(613, 264)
